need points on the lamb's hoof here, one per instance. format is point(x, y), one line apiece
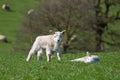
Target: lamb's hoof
point(27, 60)
point(48, 60)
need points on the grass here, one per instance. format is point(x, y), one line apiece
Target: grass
point(11, 21)
point(14, 67)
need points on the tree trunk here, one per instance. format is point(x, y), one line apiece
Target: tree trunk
point(65, 48)
point(98, 38)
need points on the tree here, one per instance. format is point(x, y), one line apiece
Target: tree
point(74, 16)
point(87, 24)
point(71, 15)
point(103, 9)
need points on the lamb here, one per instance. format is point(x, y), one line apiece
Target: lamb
point(3, 38)
point(30, 11)
point(6, 7)
point(87, 59)
point(48, 42)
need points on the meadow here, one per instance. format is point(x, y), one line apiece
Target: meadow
point(14, 67)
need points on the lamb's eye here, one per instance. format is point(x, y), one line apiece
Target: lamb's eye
point(60, 36)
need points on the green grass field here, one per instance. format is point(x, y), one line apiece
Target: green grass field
point(14, 67)
point(11, 21)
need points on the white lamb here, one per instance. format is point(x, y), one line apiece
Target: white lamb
point(87, 59)
point(3, 38)
point(30, 11)
point(5, 7)
point(48, 42)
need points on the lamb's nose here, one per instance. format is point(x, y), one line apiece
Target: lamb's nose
point(58, 40)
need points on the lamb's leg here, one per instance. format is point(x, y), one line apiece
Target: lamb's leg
point(48, 54)
point(39, 54)
point(32, 51)
point(58, 55)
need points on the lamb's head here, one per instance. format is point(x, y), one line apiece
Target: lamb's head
point(57, 39)
point(58, 36)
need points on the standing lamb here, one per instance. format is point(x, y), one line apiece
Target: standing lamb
point(48, 42)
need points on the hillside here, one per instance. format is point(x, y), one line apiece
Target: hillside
point(10, 20)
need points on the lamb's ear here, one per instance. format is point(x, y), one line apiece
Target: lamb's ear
point(51, 32)
point(63, 31)
point(87, 53)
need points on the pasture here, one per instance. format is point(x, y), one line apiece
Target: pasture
point(14, 67)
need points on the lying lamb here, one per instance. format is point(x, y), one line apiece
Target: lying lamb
point(48, 42)
point(30, 11)
point(6, 7)
point(87, 59)
point(3, 38)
